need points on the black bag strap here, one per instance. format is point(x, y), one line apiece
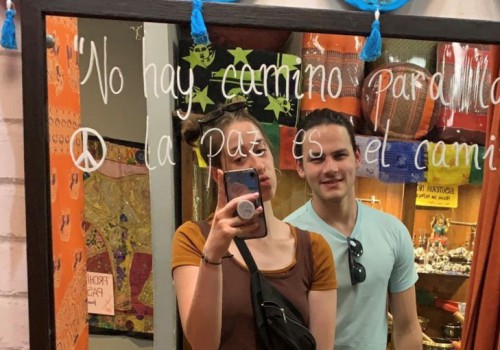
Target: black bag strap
point(245, 253)
point(258, 281)
point(240, 244)
point(263, 291)
point(247, 256)
point(260, 288)
point(243, 248)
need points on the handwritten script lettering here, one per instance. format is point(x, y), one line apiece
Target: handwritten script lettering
point(167, 80)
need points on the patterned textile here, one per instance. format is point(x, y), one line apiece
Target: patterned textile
point(118, 235)
point(66, 194)
point(466, 70)
point(400, 158)
point(419, 52)
point(448, 164)
point(399, 93)
point(333, 52)
point(369, 160)
point(209, 65)
point(120, 154)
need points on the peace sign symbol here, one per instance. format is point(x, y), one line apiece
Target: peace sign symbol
point(86, 156)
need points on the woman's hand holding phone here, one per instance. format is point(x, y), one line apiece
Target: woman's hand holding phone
point(241, 181)
point(225, 225)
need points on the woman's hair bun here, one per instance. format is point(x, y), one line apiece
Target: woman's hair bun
point(191, 131)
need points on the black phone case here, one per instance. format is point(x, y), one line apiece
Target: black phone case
point(240, 182)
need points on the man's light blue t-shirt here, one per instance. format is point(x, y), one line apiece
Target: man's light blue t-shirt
point(388, 260)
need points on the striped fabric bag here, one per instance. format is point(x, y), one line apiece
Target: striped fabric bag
point(331, 55)
point(466, 70)
point(396, 100)
point(419, 52)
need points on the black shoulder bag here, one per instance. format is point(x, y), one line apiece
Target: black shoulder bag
point(279, 324)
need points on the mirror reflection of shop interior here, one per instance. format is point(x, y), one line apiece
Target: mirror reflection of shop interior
point(104, 197)
point(425, 167)
point(112, 223)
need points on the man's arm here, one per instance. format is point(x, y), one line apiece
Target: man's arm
point(407, 333)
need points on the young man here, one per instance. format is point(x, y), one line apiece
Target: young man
point(373, 251)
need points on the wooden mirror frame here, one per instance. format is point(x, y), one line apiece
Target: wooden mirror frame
point(340, 19)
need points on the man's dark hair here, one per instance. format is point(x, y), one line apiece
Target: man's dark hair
point(318, 117)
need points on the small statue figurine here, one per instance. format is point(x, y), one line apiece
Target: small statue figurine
point(440, 225)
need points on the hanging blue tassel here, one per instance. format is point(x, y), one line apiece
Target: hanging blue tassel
point(9, 29)
point(373, 45)
point(198, 28)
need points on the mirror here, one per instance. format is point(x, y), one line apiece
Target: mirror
point(107, 196)
point(121, 181)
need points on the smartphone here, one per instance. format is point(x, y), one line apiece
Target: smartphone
point(243, 181)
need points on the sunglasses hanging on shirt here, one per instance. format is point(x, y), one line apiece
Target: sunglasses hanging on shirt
point(356, 270)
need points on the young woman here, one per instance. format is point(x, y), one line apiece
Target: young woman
point(210, 276)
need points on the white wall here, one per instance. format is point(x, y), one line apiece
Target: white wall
point(123, 117)
point(14, 327)
point(160, 50)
